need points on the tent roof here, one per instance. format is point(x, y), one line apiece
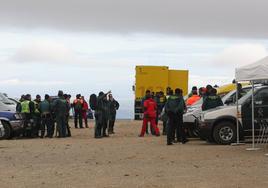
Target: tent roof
point(254, 71)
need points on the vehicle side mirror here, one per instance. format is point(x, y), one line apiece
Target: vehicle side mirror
point(229, 101)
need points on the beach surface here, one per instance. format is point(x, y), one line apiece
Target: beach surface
point(125, 160)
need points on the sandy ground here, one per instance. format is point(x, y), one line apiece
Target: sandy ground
point(124, 160)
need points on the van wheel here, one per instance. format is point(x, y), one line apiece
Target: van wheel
point(5, 130)
point(224, 133)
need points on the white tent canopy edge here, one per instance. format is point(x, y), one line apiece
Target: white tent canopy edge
point(253, 72)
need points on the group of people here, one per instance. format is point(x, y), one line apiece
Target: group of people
point(40, 116)
point(171, 108)
point(105, 107)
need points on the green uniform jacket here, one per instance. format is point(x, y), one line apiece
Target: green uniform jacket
point(175, 104)
point(60, 107)
point(211, 101)
point(45, 107)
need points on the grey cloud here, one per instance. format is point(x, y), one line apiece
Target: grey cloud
point(231, 18)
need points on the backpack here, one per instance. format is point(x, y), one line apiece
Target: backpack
point(93, 101)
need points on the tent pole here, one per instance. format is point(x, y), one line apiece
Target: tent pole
point(237, 121)
point(253, 120)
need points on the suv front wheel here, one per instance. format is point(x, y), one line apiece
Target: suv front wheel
point(224, 132)
point(5, 130)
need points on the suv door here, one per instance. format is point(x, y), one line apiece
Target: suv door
point(260, 109)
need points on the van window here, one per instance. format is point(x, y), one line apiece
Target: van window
point(262, 97)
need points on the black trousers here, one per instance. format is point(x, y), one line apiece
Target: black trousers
point(37, 124)
point(180, 132)
point(173, 121)
point(164, 127)
point(68, 126)
point(175, 126)
point(98, 124)
point(104, 126)
point(111, 126)
point(47, 124)
point(28, 125)
point(78, 116)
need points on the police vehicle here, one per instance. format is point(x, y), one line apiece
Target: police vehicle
point(219, 125)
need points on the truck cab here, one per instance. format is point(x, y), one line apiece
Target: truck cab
point(156, 79)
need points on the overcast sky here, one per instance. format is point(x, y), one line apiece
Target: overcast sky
point(84, 46)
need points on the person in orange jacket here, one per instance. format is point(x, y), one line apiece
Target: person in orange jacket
point(194, 98)
point(149, 114)
point(84, 110)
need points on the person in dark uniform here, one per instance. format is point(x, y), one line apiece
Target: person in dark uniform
point(160, 107)
point(180, 132)
point(105, 117)
point(99, 113)
point(45, 110)
point(174, 108)
point(113, 106)
point(212, 100)
point(67, 98)
point(60, 107)
point(37, 116)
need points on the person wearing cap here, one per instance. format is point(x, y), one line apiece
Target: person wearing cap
point(60, 108)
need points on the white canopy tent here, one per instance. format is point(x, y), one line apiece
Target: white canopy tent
point(253, 72)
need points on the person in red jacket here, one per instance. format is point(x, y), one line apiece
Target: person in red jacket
point(84, 110)
point(149, 114)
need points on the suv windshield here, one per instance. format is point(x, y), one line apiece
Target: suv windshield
point(5, 100)
point(248, 95)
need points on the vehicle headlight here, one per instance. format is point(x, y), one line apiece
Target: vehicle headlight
point(190, 109)
point(17, 116)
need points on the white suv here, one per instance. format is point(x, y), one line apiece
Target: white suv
point(190, 118)
point(219, 125)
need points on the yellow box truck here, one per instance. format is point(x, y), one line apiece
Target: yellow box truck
point(156, 79)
